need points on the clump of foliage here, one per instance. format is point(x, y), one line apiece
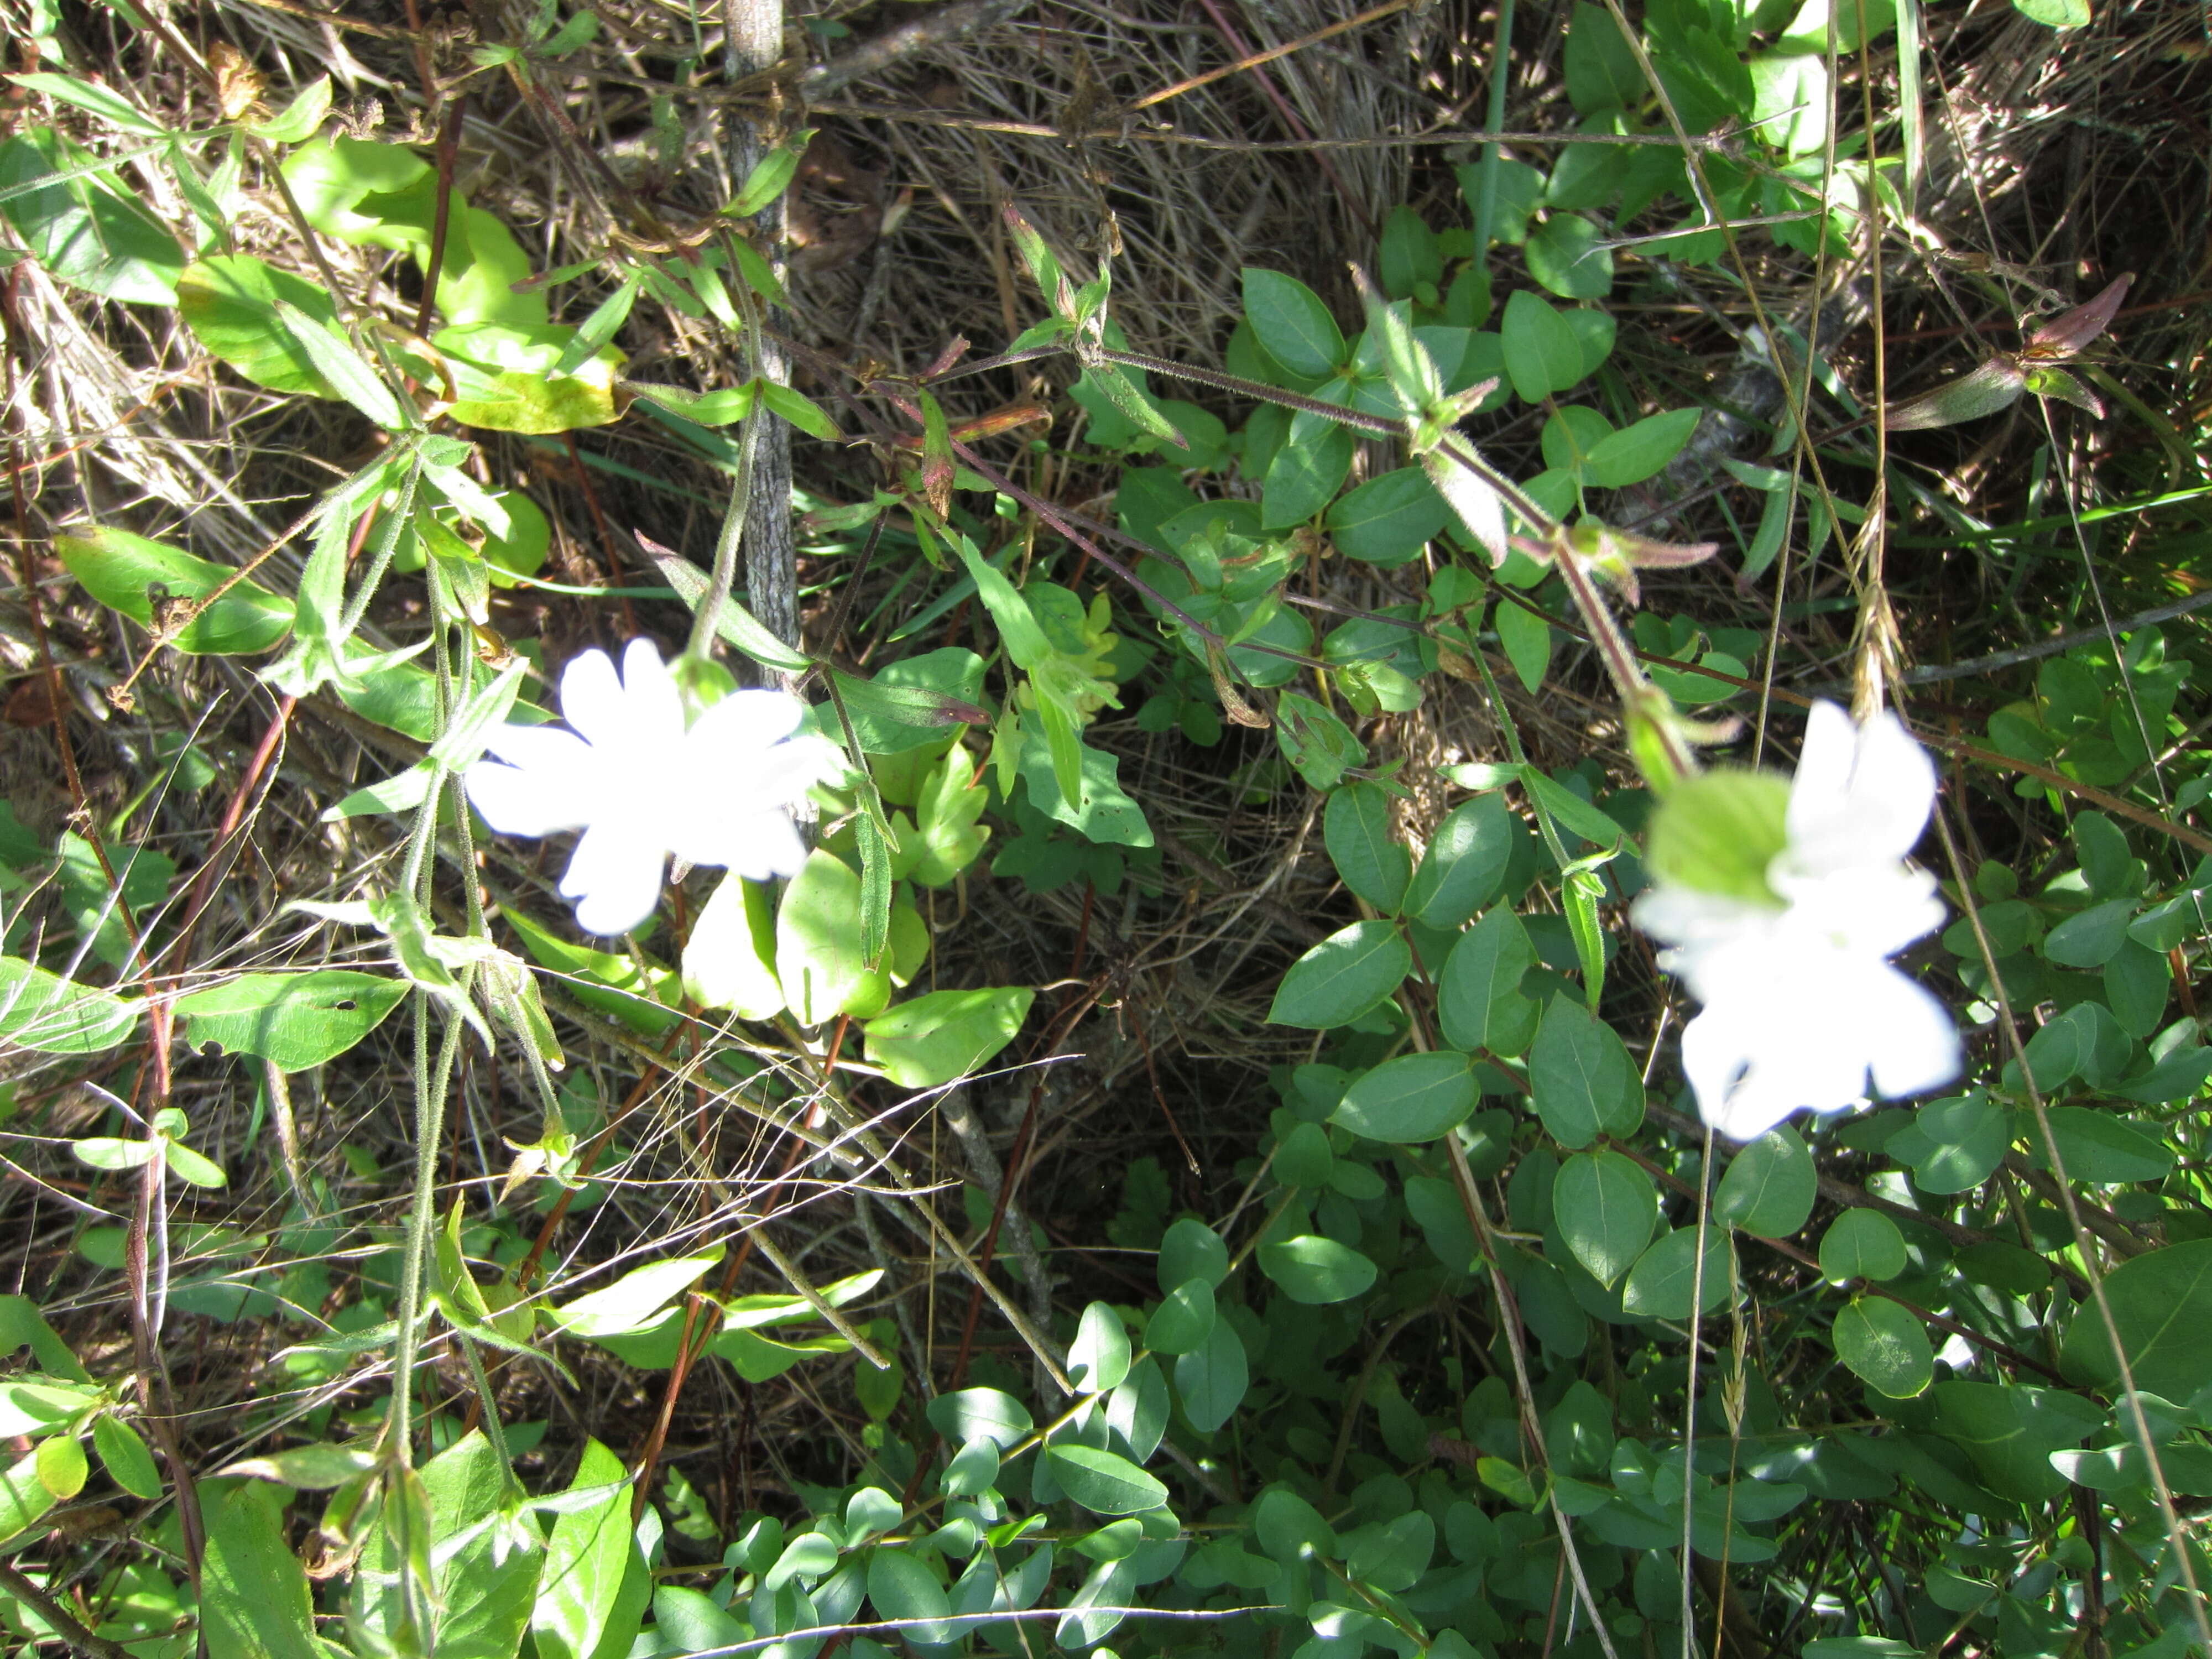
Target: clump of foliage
point(1469, 1337)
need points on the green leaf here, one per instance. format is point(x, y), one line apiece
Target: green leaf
point(1106, 813)
point(1564, 255)
point(310, 1469)
point(1411, 1099)
point(297, 121)
point(799, 410)
point(1509, 1480)
point(974, 1469)
point(632, 1300)
point(1885, 1346)
point(1790, 101)
point(1580, 1074)
point(729, 960)
point(771, 175)
point(1103, 1483)
point(1356, 827)
point(105, 102)
point(1970, 1136)
point(1465, 862)
point(1862, 1243)
point(1098, 1359)
point(23, 1497)
point(341, 369)
point(1661, 1284)
point(505, 379)
point(1303, 1157)
point(1347, 974)
point(1572, 812)
point(1211, 1379)
point(55, 1016)
point(295, 1021)
point(943, 1035)
point(1601, 72)
point(127, 573)
point(254, 1594)
point(1182, 1322)
point(190, 1167)
point(980, 1414)
point(1387, 520)
point(1479, 1001)
point(1191, 1249)
point(2161, 1303)
point(1316, 1270)
point(912, 703)
point(124, 1456)
point(1542, 355)
point(1605, 1206)
point(2010, 1432)
point(817, 947)
point(1292, 323)
point(1409, 255)
point(736, 625)
point(62, 1465)
point(112, 1153)
point(720, 407)
point(86, 230)
point(1315, 740)
point(2100, 1147)
point(2092, 937)
point(905, 1590)
point(22, 1326)
point(228, 300)
point(1770, 1186)
point(1024, 638)
point(810, 1555)
point(1526, 639)
point(1637, 452)
point(1305, 474)
point(2056, 14)
point(586, 1559)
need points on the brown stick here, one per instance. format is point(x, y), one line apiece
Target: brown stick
point(67, 1628)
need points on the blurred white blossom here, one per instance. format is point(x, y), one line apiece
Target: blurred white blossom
point(1782, 923)
point(642, 785)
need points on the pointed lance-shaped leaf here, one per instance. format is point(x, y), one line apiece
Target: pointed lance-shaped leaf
point(1996, 385)
point(2053, 382)
point(2067, 334)
point(1453, 467)
point(1415, 381)
point(1043, 268)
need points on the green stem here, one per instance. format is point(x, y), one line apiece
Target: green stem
point(1485, 190)
point(1638, 695)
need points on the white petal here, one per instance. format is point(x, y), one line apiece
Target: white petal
point(1756, 1055)
point(653, 706)
point(767, 844)
point(528, 801)
point(747, 723)
point(1824, 768)
point(551, 749)
point(1919, 1043)
point(614, 878)
point(1868, 910)
point(591, 696)
point(1862, 795)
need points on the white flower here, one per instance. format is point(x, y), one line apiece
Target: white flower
point(628, 774)
point(1801, 1003)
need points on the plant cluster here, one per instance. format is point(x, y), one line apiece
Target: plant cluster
point(1524, 1320)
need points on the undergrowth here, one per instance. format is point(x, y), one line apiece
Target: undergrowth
point(1266, 509)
